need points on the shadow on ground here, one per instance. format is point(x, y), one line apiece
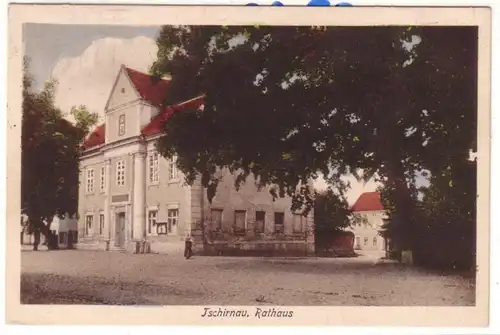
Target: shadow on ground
point(57, 289)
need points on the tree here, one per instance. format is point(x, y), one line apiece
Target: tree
point(288, 103)
point(331, 212)
point(332, 215)
point(50, 155)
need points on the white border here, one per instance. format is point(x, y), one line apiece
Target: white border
point(495, 251)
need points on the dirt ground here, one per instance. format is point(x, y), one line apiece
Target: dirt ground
point(98, 277)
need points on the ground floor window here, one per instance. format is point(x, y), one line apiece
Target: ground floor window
point(216, 219)
point(152, 220)
point(172, 219)
point(297, 223)
point(375, 241)
point(366, 241)
point(279, 222)
point(260, 220)
point(89, 221)
point(240, 222)
point(358, 242)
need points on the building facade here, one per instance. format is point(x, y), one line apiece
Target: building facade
point(131, 198)
point(370, 215)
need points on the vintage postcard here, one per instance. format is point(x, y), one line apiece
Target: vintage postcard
point(248, 165)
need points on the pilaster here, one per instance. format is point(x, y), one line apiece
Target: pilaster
point(107, 196)
point(139, 201)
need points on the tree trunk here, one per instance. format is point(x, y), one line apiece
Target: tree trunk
point(404, 219)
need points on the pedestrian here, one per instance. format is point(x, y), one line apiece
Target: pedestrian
point(188, 247)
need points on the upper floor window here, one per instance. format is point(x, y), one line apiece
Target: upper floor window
point(153, 167)
point(172, 168)
point(103, 178)
point(120, 173)
point(90, 181)
point(121, 125)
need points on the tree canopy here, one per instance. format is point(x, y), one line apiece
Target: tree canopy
point(288, 103)
point(50, 155)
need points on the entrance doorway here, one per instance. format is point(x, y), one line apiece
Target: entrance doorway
point(120, 230)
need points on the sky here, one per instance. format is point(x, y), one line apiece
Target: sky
point(85, 60)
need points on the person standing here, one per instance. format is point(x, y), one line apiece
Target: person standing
point(188, 247)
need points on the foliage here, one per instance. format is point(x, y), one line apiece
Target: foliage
point(50, 153)
point(331, 212)
point(287, 103)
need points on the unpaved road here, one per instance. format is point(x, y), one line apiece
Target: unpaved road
point(98, 277)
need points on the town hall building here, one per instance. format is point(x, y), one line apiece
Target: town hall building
point(131, 198)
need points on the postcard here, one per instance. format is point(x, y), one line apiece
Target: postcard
point(213, 165)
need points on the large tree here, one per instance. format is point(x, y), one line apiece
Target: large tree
point(50, 154)
point(288, 103)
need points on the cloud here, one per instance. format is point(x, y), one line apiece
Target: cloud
point(87, 79)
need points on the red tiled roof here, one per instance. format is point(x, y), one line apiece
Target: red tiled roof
point(150, 88)
point(368, 201)
point(154, 127)
point(96, 137)
point(153, 90)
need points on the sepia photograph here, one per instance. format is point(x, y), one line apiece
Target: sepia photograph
point(246, 169)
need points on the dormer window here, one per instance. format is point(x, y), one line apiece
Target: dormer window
point(121, 125)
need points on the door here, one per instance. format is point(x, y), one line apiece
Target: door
point(120, 230)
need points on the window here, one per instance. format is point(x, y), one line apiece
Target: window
point(172, 219)
point(375, 241)
point(240, 222)
point(358, 242)
point(172, 168)
point(366, 241)
point(101, 224)
point(260, 221)
point(121, 125)
point(279, 222)
point(103, 178)
point(297, 223)
point(152, 218)
point(90, 181)
point(153, 167)
point(216, 219)
point(120, 173)
point(89, 220)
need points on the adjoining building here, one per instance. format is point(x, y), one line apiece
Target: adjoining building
point(371, 216)
point(131, 198)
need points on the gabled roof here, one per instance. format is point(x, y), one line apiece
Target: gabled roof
point(154, 127)
point(151, 89)
point(368, 201)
